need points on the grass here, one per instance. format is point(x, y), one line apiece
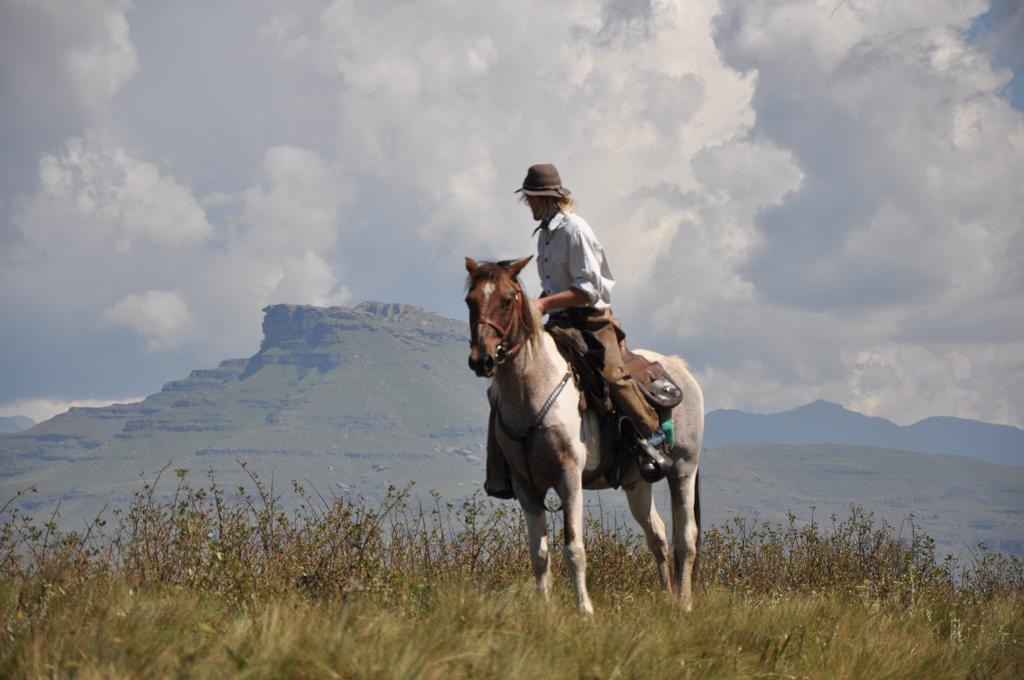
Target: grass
point(210, 583)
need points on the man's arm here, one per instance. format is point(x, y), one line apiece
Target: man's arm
point(585, 265)
point(567, 298)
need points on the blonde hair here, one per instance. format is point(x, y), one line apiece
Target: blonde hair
point(549, 204)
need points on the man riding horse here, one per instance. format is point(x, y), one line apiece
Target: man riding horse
point(577, 285)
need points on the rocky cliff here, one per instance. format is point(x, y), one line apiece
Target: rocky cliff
point(316, 337)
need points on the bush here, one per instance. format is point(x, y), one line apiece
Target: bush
point(207, 582)
point(245, 545)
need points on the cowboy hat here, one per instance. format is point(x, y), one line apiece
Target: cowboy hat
point(543, 180)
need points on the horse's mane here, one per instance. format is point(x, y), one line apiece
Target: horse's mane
point(533, 324)
point(532, 321)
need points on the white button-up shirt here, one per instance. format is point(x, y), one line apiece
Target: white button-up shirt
point(569, 256)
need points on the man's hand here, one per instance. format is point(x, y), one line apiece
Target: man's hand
point(567, 298)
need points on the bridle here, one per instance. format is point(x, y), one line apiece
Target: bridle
point(503, 352)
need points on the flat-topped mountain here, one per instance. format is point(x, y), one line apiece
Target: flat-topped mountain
point(334, 394)
point(825, 422)
point(316, 331)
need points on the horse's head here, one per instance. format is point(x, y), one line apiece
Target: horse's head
point(500, 316)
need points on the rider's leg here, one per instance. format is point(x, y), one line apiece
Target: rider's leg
point(498, 482)
point(624, 390)
point(629, 399)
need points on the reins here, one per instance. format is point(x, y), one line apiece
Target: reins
point(506, 353)
point(527, 434)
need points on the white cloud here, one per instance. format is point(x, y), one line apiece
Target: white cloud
point(883, 280)
point(98, 191)
point(80, 52)
point(140, 254)
point(454, 103)
point(309, 278)
point(917, 381)
point(806, 199)
point(277, 248)
point(297, 205)
point(62, 66)
point(98, 69)
point(160, 316)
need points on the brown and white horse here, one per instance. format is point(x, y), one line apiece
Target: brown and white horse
point(548, 443)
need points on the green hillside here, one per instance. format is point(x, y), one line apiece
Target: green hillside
point(957, 500)
point(346, 398)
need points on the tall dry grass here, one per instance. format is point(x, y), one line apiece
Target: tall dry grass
point(209, 582)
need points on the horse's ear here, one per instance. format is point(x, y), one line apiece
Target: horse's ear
point(515, 267)
point(470, 264)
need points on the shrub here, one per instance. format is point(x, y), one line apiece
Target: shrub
point(245, 545)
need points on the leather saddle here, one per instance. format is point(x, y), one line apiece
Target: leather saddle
point(585, 356)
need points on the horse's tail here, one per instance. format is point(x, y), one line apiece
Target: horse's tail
point(696, 515)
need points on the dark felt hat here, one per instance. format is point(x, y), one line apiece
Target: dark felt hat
point(543, 180)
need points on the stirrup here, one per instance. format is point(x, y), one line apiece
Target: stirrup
point(653, 464)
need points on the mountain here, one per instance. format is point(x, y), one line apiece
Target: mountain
point(823, 421)
point(349, 400)
point(958, 501)
point(334, 395)
point(15, 423)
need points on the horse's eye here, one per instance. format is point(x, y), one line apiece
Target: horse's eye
point(506, 302)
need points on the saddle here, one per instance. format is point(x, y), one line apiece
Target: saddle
point(585, 356)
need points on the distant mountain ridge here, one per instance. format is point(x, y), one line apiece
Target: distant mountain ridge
point(15, 423)
point(827, 422)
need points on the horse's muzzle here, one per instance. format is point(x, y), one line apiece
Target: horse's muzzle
point(482, 363)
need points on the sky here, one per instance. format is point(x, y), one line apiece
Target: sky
point(804, 199)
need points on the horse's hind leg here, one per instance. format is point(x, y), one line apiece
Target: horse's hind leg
point(575, 555)
point(641, 504)
point(682, 485)
point(537, 532)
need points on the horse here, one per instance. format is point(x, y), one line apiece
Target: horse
point(533, 395)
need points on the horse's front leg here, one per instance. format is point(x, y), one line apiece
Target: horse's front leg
point(575, 555)
point(537, 533)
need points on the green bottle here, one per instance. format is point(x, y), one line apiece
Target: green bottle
point(668, 426)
